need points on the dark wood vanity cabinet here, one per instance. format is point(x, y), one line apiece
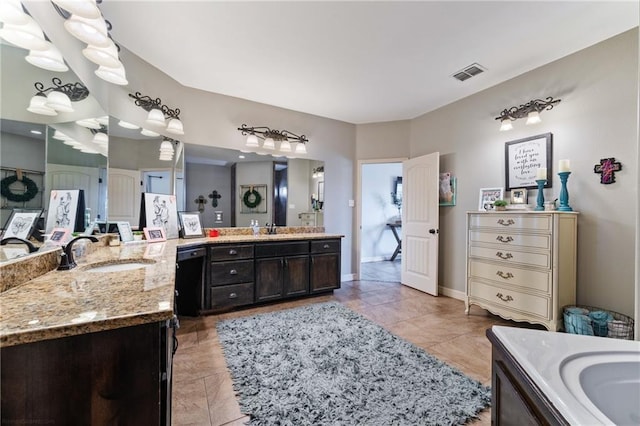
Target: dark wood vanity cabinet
point(190, 273)
point(230, 279)
point(119, 376)
point(325, 265)
point(515, 398)
point(282, 270)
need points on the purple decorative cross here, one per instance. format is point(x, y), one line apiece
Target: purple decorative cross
point(606, 168)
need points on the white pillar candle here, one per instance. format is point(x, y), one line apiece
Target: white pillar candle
point(564, 166)
point(541, 173)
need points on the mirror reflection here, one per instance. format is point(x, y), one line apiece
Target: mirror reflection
point(29, 148)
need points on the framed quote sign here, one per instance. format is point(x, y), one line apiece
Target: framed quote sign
point(523, 158)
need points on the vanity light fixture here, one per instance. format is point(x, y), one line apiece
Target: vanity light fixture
point(89, 123)
point(531, 110)
point(150, 133)
point(57, 97)
point(158, 113)
point(84, 21)
point(28, 35)
point(271, 136)
point(128, 125)
point(166, 149)
point(11, 12)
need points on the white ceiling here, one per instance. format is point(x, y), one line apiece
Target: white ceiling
point(357, 61)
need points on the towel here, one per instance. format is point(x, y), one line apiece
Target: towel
point(600, 320)
point(578, 324)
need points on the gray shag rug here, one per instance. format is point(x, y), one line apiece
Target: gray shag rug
point(324, 364)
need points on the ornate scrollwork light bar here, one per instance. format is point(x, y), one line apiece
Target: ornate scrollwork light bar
point(270, 136)
point(158, 112)
point(531, 110)
point(57, 98)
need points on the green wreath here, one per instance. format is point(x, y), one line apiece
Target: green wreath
point(257, 198)
point(29, 194)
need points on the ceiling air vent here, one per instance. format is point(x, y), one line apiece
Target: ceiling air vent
point(468, 72)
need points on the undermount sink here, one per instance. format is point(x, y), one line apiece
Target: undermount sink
point(119, 266)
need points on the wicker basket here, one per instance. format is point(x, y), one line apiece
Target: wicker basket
point(619, 326)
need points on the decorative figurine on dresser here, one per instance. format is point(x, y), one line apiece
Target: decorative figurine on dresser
point(522, 266)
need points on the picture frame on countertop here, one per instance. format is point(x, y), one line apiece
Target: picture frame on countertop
point(190, 226)
point(487, 197)
point(125, 231)
point(154, 234)
point(523, 158)
point(59, 236)
point(21, 223)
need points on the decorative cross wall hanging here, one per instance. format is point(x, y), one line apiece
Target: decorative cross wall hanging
point(214, 198)
point(607, 169)
point(200, 201)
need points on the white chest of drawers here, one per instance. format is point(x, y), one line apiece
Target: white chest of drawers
point(522, 266)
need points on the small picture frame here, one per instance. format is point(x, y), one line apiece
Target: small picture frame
point(59, 236)
point(190, 226)
point(21, 223)
point(519, 196)
point(154, 234)
point(125, 231)
point(488, 196)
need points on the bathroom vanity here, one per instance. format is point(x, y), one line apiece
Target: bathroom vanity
point(94, 345)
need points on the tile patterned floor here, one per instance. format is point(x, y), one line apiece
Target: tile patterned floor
point(386, 270)
point(202, 387)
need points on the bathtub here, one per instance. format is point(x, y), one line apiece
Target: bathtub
point(589, 380)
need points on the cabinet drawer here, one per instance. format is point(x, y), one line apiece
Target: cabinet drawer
point(231, 295)
point(282, 249)
point(184, 254)
point(511, 239)
point(509, 256)
point(325, 246)
point(535, 280)
point(531, 222)
point(231, 252)
point(516, 301)
point(222, 273)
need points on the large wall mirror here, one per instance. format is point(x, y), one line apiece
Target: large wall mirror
point(55, 152)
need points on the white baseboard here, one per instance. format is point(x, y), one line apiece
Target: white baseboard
point(348, 277)
point(454, 294)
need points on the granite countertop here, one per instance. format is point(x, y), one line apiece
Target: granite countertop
point(67, 303)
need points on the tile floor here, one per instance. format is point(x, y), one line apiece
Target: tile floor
point(202, 387)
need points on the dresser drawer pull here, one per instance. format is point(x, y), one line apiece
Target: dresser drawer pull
point(506, 222)
point(503, 239)
point(503, 275)
point(506, 298)
point(233, 295)
point(233, 272)
point(326, 246)
point(504, 256)
point(232, 252)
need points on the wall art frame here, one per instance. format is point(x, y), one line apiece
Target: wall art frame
point(518, 196)
point(154, 234)
point(125, 231)
point(447, 189)
point(21, 223)
point(523, 158)
point(190, 225)
point(253, 198)
point(488, 196)
point(159, 210)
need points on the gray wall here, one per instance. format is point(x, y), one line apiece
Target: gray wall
point(597, 118)
point(203, 179)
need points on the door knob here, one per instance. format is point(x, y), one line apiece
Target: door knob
point(433, 231)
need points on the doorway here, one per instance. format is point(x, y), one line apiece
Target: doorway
point(280, 196)
point(380, 230)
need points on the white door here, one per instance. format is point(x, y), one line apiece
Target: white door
point(420, 223)
point(124, 196)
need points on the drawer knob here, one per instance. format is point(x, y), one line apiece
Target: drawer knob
point(326, 246)
point(232, 252)
point(504, 256)
point(504, 298)
point(233, 295)
point(503, 275)
point(233, 272)
point(506, 222)
point(504, 239)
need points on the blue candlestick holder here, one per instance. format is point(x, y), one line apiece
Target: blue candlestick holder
point(540, 199)
point(564, 194)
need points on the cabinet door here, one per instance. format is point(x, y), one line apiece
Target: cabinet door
point(296, 275)
point(325, 272)
point(269, 278)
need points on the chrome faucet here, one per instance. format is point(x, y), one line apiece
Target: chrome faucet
point(66, 258)
point(32, 248)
